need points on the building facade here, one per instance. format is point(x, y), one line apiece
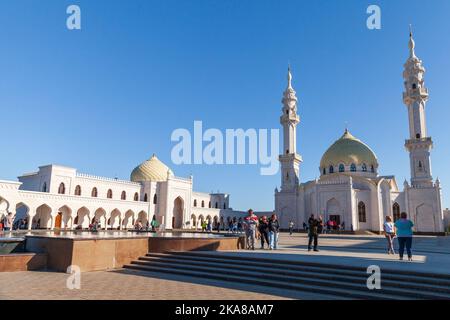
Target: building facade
point(60, 197)
point(349, 190)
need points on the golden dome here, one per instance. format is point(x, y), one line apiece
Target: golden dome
point(150, 170)
point(348, 150)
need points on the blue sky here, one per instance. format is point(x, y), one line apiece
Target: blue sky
point(105, 98)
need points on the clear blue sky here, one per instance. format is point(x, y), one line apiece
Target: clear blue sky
point(105, 98)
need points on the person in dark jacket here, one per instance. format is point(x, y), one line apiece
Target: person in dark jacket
point(313, 232)
point(274, 230)
point(263, 229)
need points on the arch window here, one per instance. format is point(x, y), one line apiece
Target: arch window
point(224, 205)
point(203, 203)
point(123, 196)
point(109, 194)
point(364, 167)
point(136, 197)
point(94, 192)
point(396, 211)
point(324, 171)
point(145, 197)
point(361, 212)
point(209, 204)
point(352, 167)
point(44, 187)
point(62, 188)
point(331, 169)
point(372, 168)
point(78, 190)
point(341, 168)
point(195, 202)
point(217, 205)
point(155, 199)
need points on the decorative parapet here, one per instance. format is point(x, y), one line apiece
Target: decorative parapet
point(10, 185)
point(35, 195)
point(93, 177)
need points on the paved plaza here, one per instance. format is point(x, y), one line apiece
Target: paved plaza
point(432, 254)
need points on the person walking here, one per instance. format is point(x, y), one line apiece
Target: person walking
point(389, 232)
point(291, 227)
point(313, 233)
point(263, 229)
point(251, 222)
point(274, 230)
point(404, 231)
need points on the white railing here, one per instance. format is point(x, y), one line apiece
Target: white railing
point(93, 177)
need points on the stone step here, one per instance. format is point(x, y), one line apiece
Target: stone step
point(404, 283)
point(258, 281)
point(409, 292)
point(429, 275)
point(307, 267)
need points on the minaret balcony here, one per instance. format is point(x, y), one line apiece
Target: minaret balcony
point(419, 143)
point(414, 94)
point(293, 118)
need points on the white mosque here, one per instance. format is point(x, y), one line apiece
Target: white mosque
point(58, 197)
point(349, 189)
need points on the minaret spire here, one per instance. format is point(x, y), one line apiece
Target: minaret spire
point(411, 44)
point(289, 77)
point(415, 97)
point(289, 159)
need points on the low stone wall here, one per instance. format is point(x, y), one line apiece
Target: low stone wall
point(22, 262)
point(161, 245)
point(88, 255)
point(111, 253)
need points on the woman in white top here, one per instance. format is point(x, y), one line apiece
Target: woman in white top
point(389, 232)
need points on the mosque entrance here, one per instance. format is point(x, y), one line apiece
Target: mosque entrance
point(336, 218)
point(177, 220)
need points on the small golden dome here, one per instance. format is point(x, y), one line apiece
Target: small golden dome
point(348, 150)
point(150, 170)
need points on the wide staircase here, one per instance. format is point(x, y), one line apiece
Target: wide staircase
point(340, 282)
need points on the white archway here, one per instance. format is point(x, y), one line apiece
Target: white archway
point(66, 217)
point(43, 218)
point(193, 221)
point(142, 217)
point(115, 219)
point(100, 217)
point(128, 220)
point(23, 211)
point(178, 208)
point(82, 219)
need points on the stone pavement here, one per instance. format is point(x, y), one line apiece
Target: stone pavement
point(123, 285)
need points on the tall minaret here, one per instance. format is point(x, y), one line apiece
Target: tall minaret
point(290, 160)
point(415, 97)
